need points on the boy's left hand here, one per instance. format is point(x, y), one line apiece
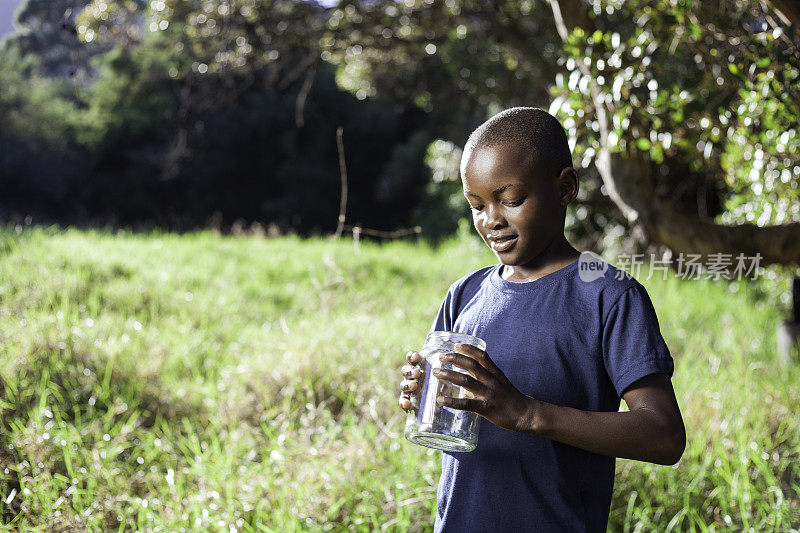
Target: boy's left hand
point(495, 398)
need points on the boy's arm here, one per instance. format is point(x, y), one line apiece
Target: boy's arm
point(652, 430)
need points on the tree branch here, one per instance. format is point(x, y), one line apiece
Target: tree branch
point(300, 104)
point(343, 175)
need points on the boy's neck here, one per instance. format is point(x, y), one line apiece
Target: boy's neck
point(559, 254)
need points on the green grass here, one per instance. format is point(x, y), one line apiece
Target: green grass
point(200, 382)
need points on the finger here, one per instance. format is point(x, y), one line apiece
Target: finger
point(405, 403)
point(458, 378)
point(479, 355)
point(464, 404)
point(413, 357)
point(411, 372)
point(409, 385)
point(467, 363)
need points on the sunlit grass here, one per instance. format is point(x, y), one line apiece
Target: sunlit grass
point(200, 382)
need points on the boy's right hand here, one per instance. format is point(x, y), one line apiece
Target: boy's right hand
point(414, 375)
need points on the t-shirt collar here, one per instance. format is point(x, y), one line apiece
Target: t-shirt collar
point(536, 284)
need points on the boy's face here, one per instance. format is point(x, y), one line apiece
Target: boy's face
point(517, 207)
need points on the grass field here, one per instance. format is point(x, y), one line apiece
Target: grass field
point(164, 383)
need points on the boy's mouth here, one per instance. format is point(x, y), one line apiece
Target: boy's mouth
point(501, 243)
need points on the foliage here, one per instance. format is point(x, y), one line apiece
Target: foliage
point(442, 207)
point(47, 32)
point(156, 381)
point(762, 153)
point(37, 124)
point(708, 90)
point(705, 87)
point(459, 62)
point(173, 132)
point(277, 38)
point(245, 157)
point(23, 102)
point(455, 60)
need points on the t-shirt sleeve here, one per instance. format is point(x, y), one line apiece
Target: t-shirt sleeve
point(632, 343)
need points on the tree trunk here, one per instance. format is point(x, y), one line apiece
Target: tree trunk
point(628, 183)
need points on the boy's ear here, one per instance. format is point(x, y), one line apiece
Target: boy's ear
point(568, 186)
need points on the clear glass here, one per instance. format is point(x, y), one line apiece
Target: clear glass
point(435, 426)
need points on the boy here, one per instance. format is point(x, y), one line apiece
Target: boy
point(562, 349)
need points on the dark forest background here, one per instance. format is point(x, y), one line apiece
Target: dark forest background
point(111, 134)
point(193, 114)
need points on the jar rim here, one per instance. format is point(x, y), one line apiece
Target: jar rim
point(463, 338)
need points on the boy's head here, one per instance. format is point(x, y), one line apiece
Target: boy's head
point(517, 175)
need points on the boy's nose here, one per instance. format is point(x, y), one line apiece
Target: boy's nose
point(492, 218)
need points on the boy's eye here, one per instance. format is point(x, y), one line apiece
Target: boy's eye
point(475, 207)
point(515, 203)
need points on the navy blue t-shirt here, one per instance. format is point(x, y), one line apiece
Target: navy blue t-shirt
point(560, 340)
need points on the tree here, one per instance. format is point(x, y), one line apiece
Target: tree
point(659, 99)
point(712, 95)
point(455, 60)
point(198, 109)
point(41, 167)
point(47, 31)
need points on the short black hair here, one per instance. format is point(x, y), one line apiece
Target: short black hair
point(534, 130)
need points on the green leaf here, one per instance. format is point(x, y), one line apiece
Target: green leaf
point(733, 68)
point(597, 36)
point(643, 144)
point(657, 153)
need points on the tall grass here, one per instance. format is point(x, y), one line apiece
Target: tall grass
point(199, 382)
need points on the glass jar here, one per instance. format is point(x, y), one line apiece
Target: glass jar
point(434, 425)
